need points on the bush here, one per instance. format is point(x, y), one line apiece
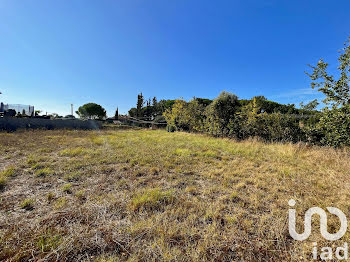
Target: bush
point(185, 116)
point(279, 127)
point(221, 113)
point(334, 127)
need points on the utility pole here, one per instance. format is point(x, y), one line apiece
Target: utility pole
point(71, 109)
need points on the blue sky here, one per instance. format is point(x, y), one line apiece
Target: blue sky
point(54, 53)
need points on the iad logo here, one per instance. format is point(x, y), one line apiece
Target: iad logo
point(327, 252)
point(323, 222)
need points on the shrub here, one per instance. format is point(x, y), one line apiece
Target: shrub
point(334, 126)
point(185, 116)
point(279, 127)
point(220, 113)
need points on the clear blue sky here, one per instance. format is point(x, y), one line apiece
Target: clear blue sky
point(54, 53)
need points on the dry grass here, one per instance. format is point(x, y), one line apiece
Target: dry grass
point(142, 195)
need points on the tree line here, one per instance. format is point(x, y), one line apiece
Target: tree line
point(227, 116)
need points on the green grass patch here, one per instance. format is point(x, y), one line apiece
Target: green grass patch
point(44, 172)
point(4, 176)
point(49, 242)
point(152, 199)
point(73, 152)
point(3, 181)
point(67, 188)
point(27, 204)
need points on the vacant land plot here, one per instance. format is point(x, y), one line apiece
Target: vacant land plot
point(143, 195)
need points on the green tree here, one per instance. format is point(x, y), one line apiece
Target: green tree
point(91, 111)
point(309, 106)
point(221, 112)
point(154, 102)
point(186, 116)
point(116, 115)
point(337, 92)
point(334, 126)
point(139, 105)
point(133, 112)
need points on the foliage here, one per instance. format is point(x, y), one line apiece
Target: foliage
point(153, 109)
point(10, 113)
point(133, 112)
point(91, 111)
point(139, 105)
point(116, 115)
point(220, 113)
point(333, 129)
point(271, 121)
point(337, 92)
point(309, 106)
point(185, 116)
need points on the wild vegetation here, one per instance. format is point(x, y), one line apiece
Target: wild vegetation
point(151, 195)
point(227, 116)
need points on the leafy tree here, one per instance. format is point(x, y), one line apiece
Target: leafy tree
point(221, 112)
point(309, 106)
point(185, 116)
point(177, 117)
point(334, 124)
point(337, 92)
point(133, 112)
point(91, 111)
point(10, 112)
point(163, 105)
point(203, 101)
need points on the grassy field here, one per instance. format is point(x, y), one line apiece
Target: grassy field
point(146, 195)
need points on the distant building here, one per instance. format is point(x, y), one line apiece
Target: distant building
point(21, 109)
